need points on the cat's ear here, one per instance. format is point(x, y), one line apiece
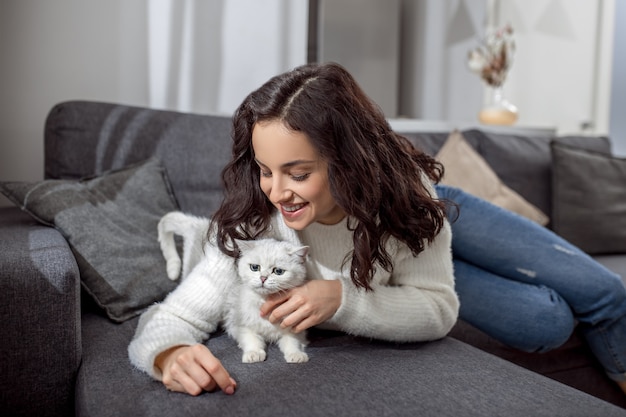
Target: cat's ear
point(302, 251)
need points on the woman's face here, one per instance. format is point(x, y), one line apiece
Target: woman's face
point(293, 176)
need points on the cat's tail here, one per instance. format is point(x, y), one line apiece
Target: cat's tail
point(193, 231)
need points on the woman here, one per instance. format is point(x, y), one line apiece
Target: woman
point(315, 162)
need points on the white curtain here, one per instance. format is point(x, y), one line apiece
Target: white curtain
point(205, 56)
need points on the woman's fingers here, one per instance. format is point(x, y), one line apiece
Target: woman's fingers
point(183, 382)
point(218, 374)
point(305, 306)
point(272, 302)
point(194, 369)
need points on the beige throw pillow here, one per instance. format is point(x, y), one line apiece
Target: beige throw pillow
point(467, 170)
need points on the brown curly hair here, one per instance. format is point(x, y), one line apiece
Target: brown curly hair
point(375, 174)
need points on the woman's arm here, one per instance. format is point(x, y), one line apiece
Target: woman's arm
point(185, 318)
point(418, 303)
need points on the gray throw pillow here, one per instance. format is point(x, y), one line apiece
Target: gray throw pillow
point(589, 199)
point(110, 223)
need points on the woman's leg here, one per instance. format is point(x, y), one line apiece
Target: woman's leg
point(504, 244)
point(527, 317)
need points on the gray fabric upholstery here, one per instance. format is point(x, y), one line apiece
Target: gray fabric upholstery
point(110, 222)
point(86, 138)
point(40, 348)
point(572, 364)
point(346, 376)
point(427, 142)
point(591, 186)
point(523, 163)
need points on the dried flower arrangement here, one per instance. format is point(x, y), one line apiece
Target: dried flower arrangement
point(492, 60)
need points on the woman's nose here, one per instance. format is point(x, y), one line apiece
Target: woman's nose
point(279, 191)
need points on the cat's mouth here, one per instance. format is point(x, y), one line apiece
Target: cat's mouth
point(265, 291)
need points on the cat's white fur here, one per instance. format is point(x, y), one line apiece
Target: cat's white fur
point(266, 266)
point(193, 230)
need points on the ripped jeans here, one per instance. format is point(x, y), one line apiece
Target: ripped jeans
point(528, 288)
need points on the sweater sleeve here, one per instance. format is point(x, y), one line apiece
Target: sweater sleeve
point(187, 315)
point(416, 303)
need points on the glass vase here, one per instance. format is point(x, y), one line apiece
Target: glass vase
point(498, 110)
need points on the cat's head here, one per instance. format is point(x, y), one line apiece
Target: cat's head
point(268, 266)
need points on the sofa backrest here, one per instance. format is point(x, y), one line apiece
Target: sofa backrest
point(85, 138)
point(523, 162)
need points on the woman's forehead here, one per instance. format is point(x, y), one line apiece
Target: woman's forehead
point(274, 142)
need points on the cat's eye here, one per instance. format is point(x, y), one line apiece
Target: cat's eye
point(278, 271)
point(255, 267)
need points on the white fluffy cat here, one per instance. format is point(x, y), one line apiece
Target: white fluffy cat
point(266, 266)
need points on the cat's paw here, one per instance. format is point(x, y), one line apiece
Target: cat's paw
point(253, 356)
point(296, 357)
point(173, 269)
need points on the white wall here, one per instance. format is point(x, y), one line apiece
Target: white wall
point(561, 63)
point(219, 50)
point(188, 55)
point(55, 51)
point(560, 77)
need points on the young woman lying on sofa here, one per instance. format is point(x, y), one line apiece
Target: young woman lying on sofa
point(315, 161)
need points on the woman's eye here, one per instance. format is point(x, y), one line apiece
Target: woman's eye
point(255, 267)
point(279, 271)
point(266, 174)
point(300, 177)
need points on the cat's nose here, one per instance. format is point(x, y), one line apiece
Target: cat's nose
point(263, 279)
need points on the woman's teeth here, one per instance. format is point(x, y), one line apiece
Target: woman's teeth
point(291, 209)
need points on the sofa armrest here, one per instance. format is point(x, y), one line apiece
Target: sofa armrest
point(40, 348)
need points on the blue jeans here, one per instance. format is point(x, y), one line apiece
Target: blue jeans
point(525, 286)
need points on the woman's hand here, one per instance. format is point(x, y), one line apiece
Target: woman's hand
point(193, 369)
point(305, 306)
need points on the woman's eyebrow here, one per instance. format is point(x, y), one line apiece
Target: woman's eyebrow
point(288, 164)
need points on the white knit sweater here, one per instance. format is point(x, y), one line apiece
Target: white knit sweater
point(417, 302)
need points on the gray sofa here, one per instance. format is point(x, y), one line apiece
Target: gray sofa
point(63, 354)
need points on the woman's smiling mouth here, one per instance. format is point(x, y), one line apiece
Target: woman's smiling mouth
point(291, 210)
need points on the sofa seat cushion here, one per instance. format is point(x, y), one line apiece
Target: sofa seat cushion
point(572, 363)
point(345, 376)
